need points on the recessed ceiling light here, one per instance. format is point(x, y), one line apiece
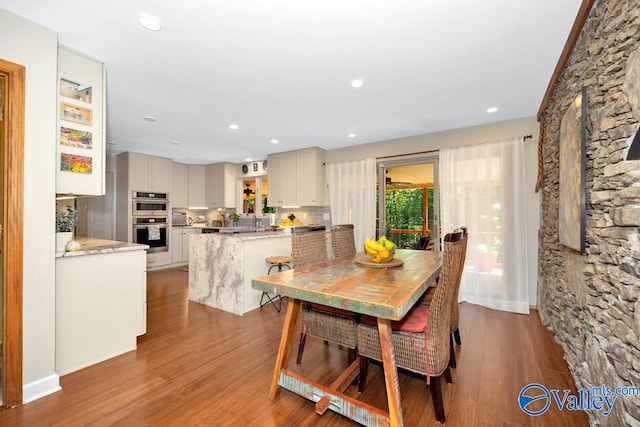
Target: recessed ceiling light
point(149, 22)
point(357, 83)
point(492, 109)
point(351, 135)
point(150, 119)
point(175, 142)
point(111, 142)
point(274, 141)
point(234, 126)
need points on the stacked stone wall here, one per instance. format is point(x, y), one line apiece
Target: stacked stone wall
point(591, 301)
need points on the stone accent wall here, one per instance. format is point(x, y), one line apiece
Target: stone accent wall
point(591, 301)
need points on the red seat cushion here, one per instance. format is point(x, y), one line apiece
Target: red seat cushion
point(428, 296)
point(414, 321)
point(334, 310)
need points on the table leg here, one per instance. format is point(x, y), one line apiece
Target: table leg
point(390, 373)
point(288, 330)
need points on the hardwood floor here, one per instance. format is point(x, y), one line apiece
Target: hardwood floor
point(198, 366)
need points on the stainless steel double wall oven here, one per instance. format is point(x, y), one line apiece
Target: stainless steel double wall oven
point(150, 213)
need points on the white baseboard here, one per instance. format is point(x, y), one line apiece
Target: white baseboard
point(40, 388)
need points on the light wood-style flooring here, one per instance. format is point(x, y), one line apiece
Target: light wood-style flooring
point(198, 366)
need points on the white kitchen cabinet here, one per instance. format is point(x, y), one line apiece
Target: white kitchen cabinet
point(149, 173)
point(296, 178)
point(156, 260)
point(180, 247)
point(310, 183)
point(100, 307)
point(196, 188)
point(220, 185)
point(187, 186)
point(282, 179)
point(80, 136)
point(179, 185)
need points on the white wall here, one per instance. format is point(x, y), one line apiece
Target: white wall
point(468, 136)
point(35, 47)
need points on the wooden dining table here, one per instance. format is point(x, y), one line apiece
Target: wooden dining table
point(350, 283)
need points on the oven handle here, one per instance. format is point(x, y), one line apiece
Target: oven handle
point(138, 226)
point(147, 200)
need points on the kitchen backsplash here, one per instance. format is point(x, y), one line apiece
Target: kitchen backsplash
point(321, 215)
point(307, 215)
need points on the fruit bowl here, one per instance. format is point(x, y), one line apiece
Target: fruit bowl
point(379, 251)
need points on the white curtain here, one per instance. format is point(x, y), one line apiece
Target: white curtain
point(352, 196)
point(483, 187)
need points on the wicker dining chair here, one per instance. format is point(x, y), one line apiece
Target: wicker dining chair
point(343, 240)
point(421, 338)
point(330, 324)
point(455, 314)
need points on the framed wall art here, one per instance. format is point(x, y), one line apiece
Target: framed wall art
point(78, 91)
point(76, 164)
point(75, 138)
point(572, 199)
point(75, 113)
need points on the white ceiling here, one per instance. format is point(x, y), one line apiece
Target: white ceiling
point(281, 68)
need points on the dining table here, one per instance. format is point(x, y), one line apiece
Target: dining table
point(385, 291)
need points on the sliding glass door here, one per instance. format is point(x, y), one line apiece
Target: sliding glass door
point(408, 205)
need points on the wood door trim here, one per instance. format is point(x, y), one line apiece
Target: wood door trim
point(13, 169)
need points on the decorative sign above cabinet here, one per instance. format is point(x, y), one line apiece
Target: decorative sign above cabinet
point(257, 168)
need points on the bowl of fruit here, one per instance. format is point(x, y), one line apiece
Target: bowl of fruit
point(379, 251)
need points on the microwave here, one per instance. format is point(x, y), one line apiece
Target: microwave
point(150, 204)
point(179, 218)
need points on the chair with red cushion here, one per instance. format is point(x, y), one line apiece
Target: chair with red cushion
point(455, 315)
point(327, 323)
point(421, 338)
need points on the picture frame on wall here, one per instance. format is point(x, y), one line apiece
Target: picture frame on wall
point(572, 169)
point(76, 138)
point(75, 113)
point(78, 91)
point(76, 164)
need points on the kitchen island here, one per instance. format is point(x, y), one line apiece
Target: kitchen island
point(221, 266)
point(100, 302)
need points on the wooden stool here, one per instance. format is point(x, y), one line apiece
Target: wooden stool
point(276, 262)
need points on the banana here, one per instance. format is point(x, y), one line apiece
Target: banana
point(381, 250)
point(370, 246)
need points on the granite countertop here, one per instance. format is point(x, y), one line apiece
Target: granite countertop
point(89, 246)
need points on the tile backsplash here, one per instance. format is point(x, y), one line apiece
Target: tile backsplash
point(321, 215)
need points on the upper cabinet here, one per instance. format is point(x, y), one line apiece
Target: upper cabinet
point(149, 173)
point(146, 173)
point(311, 177)
point(196, 186)
point(282, 176)
point(80, 136)
point(179, 185)
point(296, 178)
point(220, 185)
point(187, 187)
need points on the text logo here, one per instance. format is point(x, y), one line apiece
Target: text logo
point(535, 399)
point(533, 396)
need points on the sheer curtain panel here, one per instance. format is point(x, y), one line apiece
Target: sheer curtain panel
point(352, 196)
point(483, 187)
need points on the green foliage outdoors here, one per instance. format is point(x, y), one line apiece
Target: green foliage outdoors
point(405, 211)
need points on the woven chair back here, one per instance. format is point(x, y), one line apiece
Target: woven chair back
point(308, 246)
point(455, 315)
point(438, 327)
point(343, 240)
